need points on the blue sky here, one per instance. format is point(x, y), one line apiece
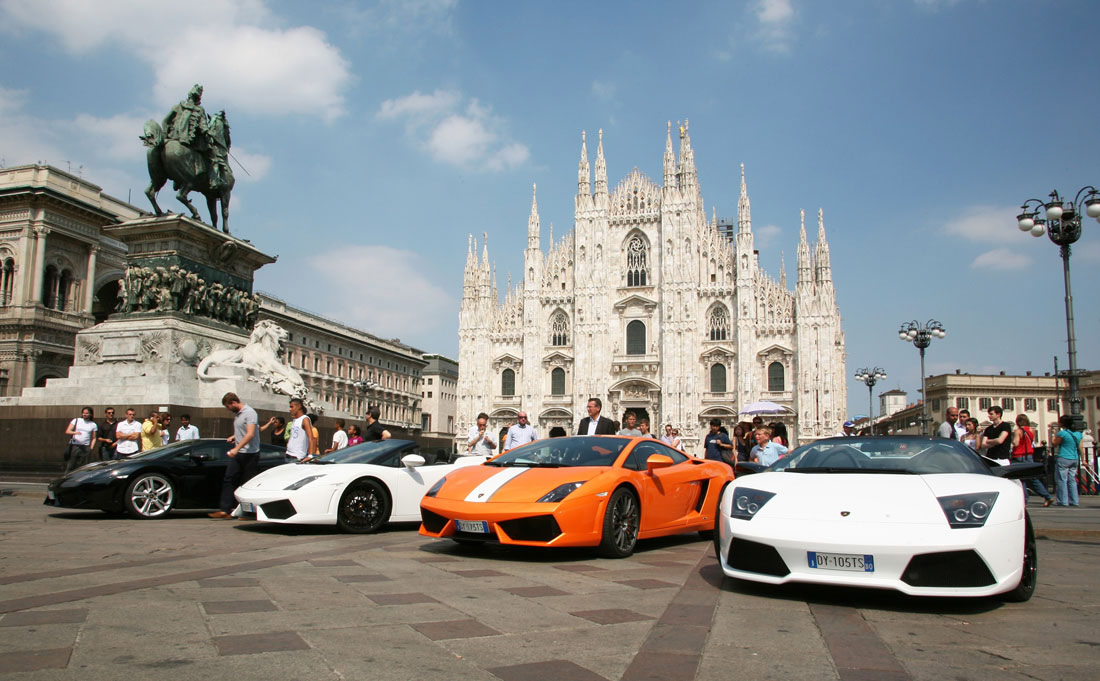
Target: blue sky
point(378, 135)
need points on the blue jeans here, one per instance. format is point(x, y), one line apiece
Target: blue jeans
point(1065, 482)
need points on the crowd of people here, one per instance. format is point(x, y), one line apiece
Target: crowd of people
point(112, 438)
point(1006, 445)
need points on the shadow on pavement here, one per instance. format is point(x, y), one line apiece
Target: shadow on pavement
point(546, 554)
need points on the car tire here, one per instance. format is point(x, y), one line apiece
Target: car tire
point(621, 521)
point(149, 496)
point(716, 536)
point(364, 507)
point(1029, 578)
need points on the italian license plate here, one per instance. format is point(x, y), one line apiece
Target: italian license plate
point(476, 526)
point(851, 562)
point(247, 507)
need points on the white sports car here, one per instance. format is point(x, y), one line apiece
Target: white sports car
point(924, 516)
point(358, 489)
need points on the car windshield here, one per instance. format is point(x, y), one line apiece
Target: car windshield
point(379, 452)
point(565, 451)
point(898, 455)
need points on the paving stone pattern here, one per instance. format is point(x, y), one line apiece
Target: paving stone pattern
point(85, 596)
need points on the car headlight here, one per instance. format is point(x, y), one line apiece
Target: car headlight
point(560, 492)
point(303, 482)
point(436, 487)
point(968, 510)
point(747, 502)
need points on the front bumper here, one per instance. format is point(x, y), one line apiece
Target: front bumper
point(915, 559)
point(293, 507)
point(573, 522)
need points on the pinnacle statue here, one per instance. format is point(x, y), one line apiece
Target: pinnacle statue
point(191, 148)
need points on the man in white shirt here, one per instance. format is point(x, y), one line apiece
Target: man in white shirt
point(128, 433)
point(339, 438)
point(479, 439)
point(300, 443)
point(186, 431)
point(521, 433)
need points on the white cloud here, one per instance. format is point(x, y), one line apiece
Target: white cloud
point(228, 46)
point(1087, 251)
point(419, 105)
point(765, 236)
point(339, 273)
point(463, 138)
point(257, 165)
point(603, 90)
point(117, 136)
point(985, 224)
point(774, 19)
point(1002, 259)
point(12, 100)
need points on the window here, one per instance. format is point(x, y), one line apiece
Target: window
point(935, 406)
point(559, 329)
point(1008, 403)
point(508, 383)
point(7, 282)
point(718, 378)
point(1052, 405)
point(636, 257)
point(718, 325)
point(557, 381)
point(984, 403)
point(1030, 404)
point(635, 338)
point(775, 377)
point(962, 402)
point(429, 393)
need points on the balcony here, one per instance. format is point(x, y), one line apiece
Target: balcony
point(506, 401)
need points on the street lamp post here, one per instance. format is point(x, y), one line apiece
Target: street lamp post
point(871, 377)
point(1063, 226)
point(921, 335)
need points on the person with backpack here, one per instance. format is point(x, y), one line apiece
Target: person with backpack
point(1023, 451)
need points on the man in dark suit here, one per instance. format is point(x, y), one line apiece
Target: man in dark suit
point(594, 424)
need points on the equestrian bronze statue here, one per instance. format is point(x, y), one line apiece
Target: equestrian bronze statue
point(191, 149)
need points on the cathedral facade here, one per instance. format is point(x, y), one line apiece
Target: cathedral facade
point(651, 307)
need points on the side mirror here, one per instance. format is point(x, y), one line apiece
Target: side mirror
point(412, 460)
point(656, 461)
point(747, 468)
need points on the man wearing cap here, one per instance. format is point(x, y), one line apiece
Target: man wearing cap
point(849, 429)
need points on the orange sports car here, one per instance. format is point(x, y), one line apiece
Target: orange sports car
point(606, 491)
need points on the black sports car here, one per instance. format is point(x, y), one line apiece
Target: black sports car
point(149, 484)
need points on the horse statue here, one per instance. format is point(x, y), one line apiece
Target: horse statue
point(200, 167)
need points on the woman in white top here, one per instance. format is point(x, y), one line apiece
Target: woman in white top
point(81, 431)
point(971, 437)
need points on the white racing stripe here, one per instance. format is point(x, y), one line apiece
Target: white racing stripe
point(485, 491)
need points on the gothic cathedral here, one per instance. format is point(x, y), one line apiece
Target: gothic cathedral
point(651, 307)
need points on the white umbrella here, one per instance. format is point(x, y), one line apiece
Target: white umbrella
point(764, 407)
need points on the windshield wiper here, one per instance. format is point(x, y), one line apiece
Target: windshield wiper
point(833, 469)
point(493, 463)
point(317, 460)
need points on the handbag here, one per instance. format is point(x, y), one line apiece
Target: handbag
point(68, 452)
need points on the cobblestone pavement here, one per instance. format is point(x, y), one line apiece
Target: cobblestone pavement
point(87, 596)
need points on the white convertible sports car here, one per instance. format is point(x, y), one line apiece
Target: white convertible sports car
point(924, 516)
point(358, 489)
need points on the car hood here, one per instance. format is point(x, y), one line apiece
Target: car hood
point(280, 477)
point(861, 498)
point(92, 470)
point(511, 484)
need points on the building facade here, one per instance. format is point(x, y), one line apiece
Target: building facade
point(350, 370)
point(647, 305)
point(58, 272)
point(438, 390)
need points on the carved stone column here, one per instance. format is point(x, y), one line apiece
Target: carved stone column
point(39, 263)
point(89, 293)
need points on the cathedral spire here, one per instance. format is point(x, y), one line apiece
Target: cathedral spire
point(824, 272)
point(670, 160)
point(471, 259)
point(804, 274)
point(583, 187)
point(551, 235)
point(744, 209)
point(533, 235)
point(687, 157)
point(601, 168)
point(484, 251)
point(782, 270)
